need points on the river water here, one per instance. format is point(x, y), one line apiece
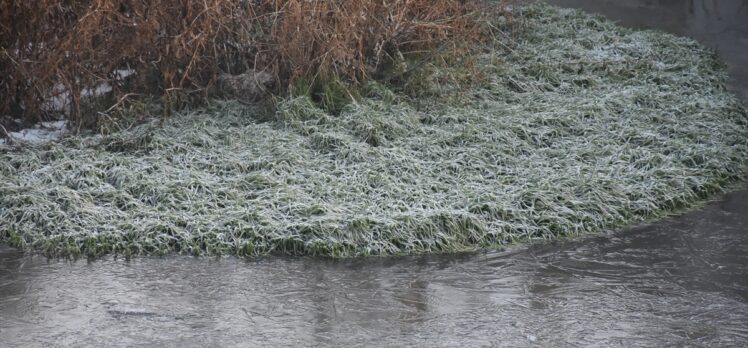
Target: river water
point(678, 282)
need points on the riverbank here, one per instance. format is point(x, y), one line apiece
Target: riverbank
point(580, 126)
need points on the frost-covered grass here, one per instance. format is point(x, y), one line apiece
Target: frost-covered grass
point(581, 126)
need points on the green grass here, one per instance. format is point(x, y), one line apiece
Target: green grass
point(580, 127)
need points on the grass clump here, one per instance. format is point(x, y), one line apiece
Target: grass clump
point(580, 126)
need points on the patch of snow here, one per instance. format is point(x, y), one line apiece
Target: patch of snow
point(120, 74)
point(43, 132)
point(99, 90)
point(59, 98)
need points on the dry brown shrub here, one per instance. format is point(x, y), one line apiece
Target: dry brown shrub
point(179, 47)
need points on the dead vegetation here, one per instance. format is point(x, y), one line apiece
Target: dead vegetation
point(63, 55)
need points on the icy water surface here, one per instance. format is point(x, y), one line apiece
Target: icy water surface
point(679, 282)
point(683, 281)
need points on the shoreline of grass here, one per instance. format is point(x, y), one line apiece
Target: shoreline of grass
point(581, 126)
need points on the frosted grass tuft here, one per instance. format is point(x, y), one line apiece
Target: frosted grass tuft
point(582, 126)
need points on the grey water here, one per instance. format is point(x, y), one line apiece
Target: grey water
point(682, 281)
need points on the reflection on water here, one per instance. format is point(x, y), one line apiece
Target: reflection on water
point(683, 281)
